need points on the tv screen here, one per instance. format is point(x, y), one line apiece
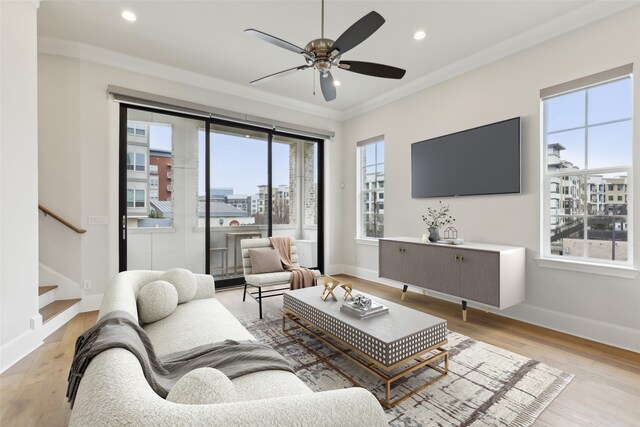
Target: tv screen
point(483, 160)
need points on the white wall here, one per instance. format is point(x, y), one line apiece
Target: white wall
point(18, 182)
point(76, 126)
point(599, 307)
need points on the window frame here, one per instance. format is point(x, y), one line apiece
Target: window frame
point(583, 174)
point(361, 191)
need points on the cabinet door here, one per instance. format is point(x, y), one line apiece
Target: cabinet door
point(480, 276)
point(401, 261)
point(389, 259)
point(441, 271)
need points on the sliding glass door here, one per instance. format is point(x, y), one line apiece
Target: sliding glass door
point(191, 189)
point(159, 215)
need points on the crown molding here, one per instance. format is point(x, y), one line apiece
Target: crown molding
point(564, 24)
point(122, 61)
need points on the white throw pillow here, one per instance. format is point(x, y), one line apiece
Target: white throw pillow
point(184, 281)
point(203, 386)
point(156, 300)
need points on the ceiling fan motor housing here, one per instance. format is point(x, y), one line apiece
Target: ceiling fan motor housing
point(321, 56)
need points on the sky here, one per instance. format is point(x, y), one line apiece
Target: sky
point(609, 145)
point(236, 161)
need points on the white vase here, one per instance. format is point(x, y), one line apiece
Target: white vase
point(425, 238)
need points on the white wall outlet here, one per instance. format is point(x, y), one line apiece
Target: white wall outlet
point(87, 284)
point(97, 220)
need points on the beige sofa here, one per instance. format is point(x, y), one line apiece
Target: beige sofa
point(114, 391)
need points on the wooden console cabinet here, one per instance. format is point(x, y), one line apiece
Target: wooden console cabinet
point(493, 275)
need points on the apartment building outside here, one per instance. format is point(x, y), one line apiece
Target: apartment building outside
point(601, 197)
point(160, 175)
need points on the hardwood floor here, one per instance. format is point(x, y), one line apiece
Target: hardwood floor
point(604, 392)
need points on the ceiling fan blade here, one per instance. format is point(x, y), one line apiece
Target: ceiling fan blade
point(328, 88)
point(275, 41)
point(358, 32)
point(373, 69)
point(279, 74)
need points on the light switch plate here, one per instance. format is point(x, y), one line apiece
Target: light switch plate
point(97, 220)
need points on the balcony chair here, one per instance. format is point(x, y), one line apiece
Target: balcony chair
point(265, 280)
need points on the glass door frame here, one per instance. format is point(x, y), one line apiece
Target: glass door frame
point(208, 121)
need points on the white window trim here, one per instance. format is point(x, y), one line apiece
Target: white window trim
point(625, 269)
point(359, 238)
point(590, 267)
point(367, 241)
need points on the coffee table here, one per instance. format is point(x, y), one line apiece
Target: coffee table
point(389, 346)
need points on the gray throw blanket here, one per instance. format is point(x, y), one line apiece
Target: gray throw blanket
point(119, 329)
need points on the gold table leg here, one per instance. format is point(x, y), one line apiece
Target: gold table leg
point(386, 377)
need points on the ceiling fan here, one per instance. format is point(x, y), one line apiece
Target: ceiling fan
point(322, 54)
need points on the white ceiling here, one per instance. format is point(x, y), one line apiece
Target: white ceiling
point(207, 37)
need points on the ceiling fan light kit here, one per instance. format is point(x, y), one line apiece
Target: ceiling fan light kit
point(322, 54)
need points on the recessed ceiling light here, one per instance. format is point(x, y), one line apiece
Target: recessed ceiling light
point(127, 15)
point(247, 136)
point(419, 35)
point(336, 83)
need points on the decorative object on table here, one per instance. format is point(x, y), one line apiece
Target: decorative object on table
point(362, 307)
point(451, 237)
point(436, 219)
point(450, 233)
point(362, 302)
point(451, 241)
point(516, 387)
point(347, 290)
point(330, 284)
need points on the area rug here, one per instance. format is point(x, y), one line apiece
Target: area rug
point(486, 385)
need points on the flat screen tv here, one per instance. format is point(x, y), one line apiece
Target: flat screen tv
point(482, 160)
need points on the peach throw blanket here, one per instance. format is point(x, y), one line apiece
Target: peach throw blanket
point(300, 277)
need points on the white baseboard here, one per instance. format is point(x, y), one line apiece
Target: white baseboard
point(90, 303)
point(19, 347)
point(334, 269)
point(59, 320)
point(46, 298)
point(595, 330)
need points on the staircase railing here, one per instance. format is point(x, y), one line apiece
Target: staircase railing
point(61, 220)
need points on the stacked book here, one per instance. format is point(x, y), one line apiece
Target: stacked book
point(354, 310)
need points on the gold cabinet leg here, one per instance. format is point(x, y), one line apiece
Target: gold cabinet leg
point(464, 311)
point(404, 292)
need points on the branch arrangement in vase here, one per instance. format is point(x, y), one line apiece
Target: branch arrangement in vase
point(435, 219)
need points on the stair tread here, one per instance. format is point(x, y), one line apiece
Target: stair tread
point(49, 311)
point(45, 289)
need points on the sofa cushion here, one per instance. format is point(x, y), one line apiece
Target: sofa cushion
point(203, 386)
point(198, 322)
point(156, 300)
point(184, 281)
point(265, 260)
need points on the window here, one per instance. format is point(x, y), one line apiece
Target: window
point(153, 169)
point(370, 179)
point(141, 163)
point(139, 201)
point(136, 162)
point(136, 129)
point(154, 181)
point(587, 132)
point(135, 198)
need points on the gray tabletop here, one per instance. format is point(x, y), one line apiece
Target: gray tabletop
point(399, 323)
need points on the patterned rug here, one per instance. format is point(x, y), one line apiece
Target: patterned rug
point(486, 385)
